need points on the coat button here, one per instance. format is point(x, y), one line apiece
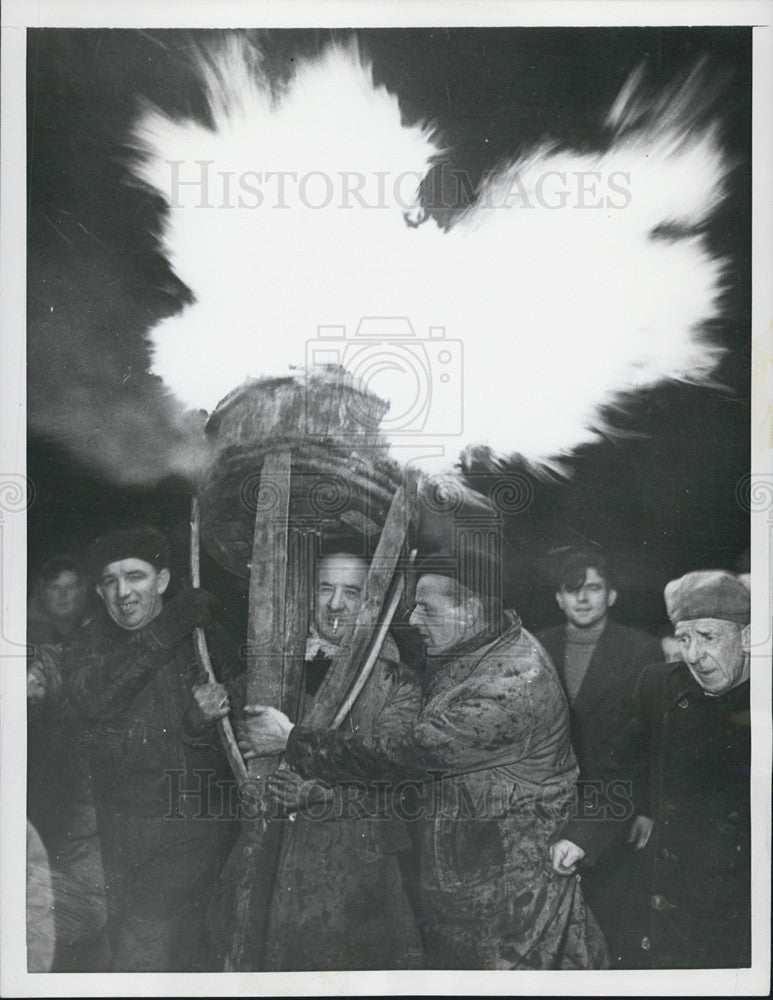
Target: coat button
point(683, 703)
point(733, 818)
point(645, 943)
point(659, 903)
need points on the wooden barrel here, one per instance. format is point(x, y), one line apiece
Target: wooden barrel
point(342, 476)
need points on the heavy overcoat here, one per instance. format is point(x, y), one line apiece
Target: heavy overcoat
point(491, 752)
point(690, 902)
point(338, 900)
point(158, 796)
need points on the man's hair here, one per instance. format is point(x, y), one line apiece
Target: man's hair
point(54, 567)
point(571, 572)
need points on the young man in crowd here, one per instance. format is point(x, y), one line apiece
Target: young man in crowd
point(599, 663)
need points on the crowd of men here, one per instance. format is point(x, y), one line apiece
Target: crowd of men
point(570, 800)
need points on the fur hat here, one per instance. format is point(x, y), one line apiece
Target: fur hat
point(145, 543)
point(712, 593)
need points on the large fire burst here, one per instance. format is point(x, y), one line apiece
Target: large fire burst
point(575, 280)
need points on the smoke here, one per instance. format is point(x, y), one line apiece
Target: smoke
point(575, 281)
point(88, 387)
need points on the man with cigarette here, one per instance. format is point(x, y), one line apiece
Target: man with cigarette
point(491, 750)
point(337, 900)
point(129, 675)
point(689, 906)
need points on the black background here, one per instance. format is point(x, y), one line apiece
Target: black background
point(661, 496)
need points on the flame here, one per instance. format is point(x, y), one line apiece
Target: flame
point(574, 280)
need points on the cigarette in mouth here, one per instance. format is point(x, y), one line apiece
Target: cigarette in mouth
point(335, 624)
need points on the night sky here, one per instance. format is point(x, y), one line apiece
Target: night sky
point(660, 496)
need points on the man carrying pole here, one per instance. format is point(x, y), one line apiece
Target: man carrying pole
point(491, 744)
point(130, 675)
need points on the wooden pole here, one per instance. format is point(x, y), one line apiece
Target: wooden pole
point(227, 737)
point(265, 663)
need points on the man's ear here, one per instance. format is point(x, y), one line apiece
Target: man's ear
point(560, 600)
point(100, 590)
point(611, 597)
point(746, 636)
point(162, 581)
point(473, 611)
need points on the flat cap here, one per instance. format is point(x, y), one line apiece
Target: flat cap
point(712, 593)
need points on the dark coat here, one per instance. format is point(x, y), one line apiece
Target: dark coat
point(338, 900)
point(602, 707)
point(690, 904)
point(160, 851)
point(600, 712)
point(60, 805)
point(131, 690)
point(493, 734)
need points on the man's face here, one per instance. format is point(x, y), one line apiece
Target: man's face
point(340, 586)
point(131, 590)
point(715, 651)
point(65, 595)
point(588, 605)
point(441, 620)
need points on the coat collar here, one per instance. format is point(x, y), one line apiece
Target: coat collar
point(479, 645)
point(685, 686)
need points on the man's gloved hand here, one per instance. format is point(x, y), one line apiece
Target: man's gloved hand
point(209, 705)
point(289, 791)
point(263, 731)
point(187, 610)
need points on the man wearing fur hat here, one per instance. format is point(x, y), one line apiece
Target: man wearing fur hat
point(690, 903)
point(491, 750)
point(130, 676)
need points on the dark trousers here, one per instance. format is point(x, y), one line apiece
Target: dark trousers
point(159, 874)
point(606, 886)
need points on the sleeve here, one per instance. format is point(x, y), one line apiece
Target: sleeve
point(401, 709)
point(630, 764)
point(464, 731)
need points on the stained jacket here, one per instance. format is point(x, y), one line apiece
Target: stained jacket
point(338, 900)
point(690, 903)
point(131, 690)
point(491, 750)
